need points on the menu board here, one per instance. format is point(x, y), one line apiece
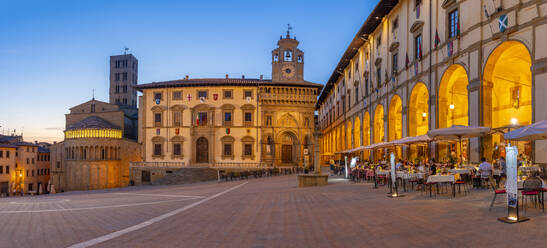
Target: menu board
point(511, 184)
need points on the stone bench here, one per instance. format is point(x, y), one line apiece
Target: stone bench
point(311, 180)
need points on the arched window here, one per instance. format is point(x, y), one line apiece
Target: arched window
point(288, 56)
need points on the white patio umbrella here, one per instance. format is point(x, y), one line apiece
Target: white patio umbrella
point(536, 131)
point(412, 140)
point(457, 132)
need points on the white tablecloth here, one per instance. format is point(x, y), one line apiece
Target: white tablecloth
point(529, 168)
point(459, 171)
point(441, 179)
point(382, 172)
point(406, 175)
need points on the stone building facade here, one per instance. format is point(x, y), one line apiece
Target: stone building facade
point(97, 148)
point(7, 168)
point(124, 72)
point(417, 65)
point(231, 121)
point(24, 166)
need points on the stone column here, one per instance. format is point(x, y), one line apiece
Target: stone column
point(316, 164)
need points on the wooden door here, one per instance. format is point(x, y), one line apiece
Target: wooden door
point(202, 150)
point(145, 176)
point(286, 153)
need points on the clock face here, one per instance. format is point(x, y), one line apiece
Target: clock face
point(288, 71)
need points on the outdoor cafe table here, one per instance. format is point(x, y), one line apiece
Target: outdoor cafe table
point(406, 175)
point(382, 172)
point(443, 179)
point(460, 171)
point(529, 168)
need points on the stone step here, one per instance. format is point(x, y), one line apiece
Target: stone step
point(188, 175)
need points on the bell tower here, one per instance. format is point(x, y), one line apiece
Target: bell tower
point(287, 60)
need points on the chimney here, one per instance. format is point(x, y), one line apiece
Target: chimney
point(186, 77)
point(261, 77)
point(226, 76)
point(242, 76)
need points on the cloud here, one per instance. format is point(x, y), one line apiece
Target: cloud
point(54, 128)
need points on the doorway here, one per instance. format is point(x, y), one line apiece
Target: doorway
point(145, 176)
point(286, 153)
point(202, 150)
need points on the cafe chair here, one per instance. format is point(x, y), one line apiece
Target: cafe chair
point(531, 188)
point(496, 192)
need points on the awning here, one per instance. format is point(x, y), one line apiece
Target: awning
point(536, 131)
point(457, 132)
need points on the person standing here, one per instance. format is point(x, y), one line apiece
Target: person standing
point(432, 167)
point(485, 169)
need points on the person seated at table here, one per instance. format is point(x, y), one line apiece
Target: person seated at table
point(399, 165)
point(485, 168)
point(432, 167)
point(421, 168)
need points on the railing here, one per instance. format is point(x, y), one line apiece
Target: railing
point(157, 164)
point(286, 97)
point(242, 165)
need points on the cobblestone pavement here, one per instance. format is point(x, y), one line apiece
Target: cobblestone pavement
point(269, 212)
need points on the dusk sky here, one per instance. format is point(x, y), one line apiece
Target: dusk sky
point(54, 53)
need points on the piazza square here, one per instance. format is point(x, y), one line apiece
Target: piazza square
point(411, 123)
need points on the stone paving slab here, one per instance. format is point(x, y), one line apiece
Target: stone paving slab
point(271, 212)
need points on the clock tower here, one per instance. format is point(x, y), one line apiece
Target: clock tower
point(287, 60)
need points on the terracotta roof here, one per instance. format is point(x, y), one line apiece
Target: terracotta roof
point(23, 143)
point(192, 82)
point(7, 146)
point(9, 138)
point(93, 122)
point(43, 149)
point(371, 23)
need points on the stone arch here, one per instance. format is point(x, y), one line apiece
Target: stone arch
point(289, 146)
point(379, 124)
point(349, 135)
point(287, 120)
point(357, 132)
point(506, 91)
point(418, 110)
point(452, 97)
